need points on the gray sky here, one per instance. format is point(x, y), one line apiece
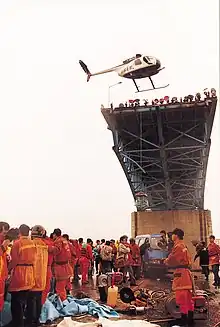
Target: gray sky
point(57, 167)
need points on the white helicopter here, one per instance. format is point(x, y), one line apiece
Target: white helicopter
point(134, 68)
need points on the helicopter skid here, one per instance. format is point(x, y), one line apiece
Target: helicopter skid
point(152, 89)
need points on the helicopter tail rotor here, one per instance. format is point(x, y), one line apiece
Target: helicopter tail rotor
point(86, 70)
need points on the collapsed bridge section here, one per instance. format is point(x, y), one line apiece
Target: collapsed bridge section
point(163, 149)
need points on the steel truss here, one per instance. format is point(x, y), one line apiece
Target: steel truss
point(164, 155)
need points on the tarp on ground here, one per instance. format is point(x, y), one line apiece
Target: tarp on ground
point(54, 308)
point(107, 323)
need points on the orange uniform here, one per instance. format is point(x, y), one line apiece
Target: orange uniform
point(46, 290)
point(3, 272)
point(214, 254)
point(85, 258)
point(76, 249)
point(180, 259)
point(136, 255)
point(23, 257)
point(62, 268)
point(48, 241)
point(73, 254)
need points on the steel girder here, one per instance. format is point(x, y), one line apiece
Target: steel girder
point(164, 151)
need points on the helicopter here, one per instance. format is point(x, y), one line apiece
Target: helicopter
point(133, 68)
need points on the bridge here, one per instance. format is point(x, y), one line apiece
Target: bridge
point(163, 149)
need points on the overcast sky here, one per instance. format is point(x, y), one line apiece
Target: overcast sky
point(57, 167)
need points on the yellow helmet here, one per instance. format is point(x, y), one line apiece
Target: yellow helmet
point(37, 231)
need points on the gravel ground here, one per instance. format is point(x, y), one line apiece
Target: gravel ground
point(214, 302)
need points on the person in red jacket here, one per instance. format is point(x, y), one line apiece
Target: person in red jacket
point(214, 259)
point(4, 227)
point(183, 286)
point(62, 268)
point(136, 258)
point(84, 261)
point(72, 260)
point(49, 242)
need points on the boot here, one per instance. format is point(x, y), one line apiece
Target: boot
point(182, 321)
point(190, 318)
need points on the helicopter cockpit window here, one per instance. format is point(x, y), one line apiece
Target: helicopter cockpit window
point(147, 60)
point(137, 62)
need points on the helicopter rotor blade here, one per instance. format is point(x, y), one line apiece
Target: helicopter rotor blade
point(86, 69)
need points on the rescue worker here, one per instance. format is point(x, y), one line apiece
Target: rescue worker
point(53, 279)
point(180, 259)
point(21, 268)
point(203, 255)
point(84, 261)
point(72, 261)
point(49, 242)
point(136, 258)
point(91, 261)
point(4, 243)
point(214, 258)
point(62, 268)
point(34, 301)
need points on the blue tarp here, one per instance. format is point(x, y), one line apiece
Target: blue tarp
point(54, 308)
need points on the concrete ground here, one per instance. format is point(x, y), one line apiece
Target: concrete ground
point(159, 311)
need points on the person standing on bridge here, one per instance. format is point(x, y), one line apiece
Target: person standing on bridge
point(180, 259)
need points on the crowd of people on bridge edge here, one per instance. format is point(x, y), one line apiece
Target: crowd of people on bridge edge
point(33, 264)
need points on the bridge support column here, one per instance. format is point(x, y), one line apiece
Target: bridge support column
point(196, 224)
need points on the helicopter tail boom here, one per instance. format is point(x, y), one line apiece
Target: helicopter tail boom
point(86, 69)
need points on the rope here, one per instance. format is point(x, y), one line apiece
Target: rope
point(217, 325)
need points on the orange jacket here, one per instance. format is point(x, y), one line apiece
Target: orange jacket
point(62, 258)
point(135, 254)
point(180, 257)
point(214, 254)
point(90, 252)
point(50, 245)
point(73, 254)
point(40, 266)
point(62, 253)
point(23, 257)
point(76, 248)
point(86, 251)
point(3, 260)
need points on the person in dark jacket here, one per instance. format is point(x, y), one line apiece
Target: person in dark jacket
point(170, 242)
point(203, 255)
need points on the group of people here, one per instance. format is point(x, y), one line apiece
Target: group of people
point(209, 257)
point(30, 263)
point(33, 264)
point(183, 282)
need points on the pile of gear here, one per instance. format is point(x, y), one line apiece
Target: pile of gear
point(149, 302)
